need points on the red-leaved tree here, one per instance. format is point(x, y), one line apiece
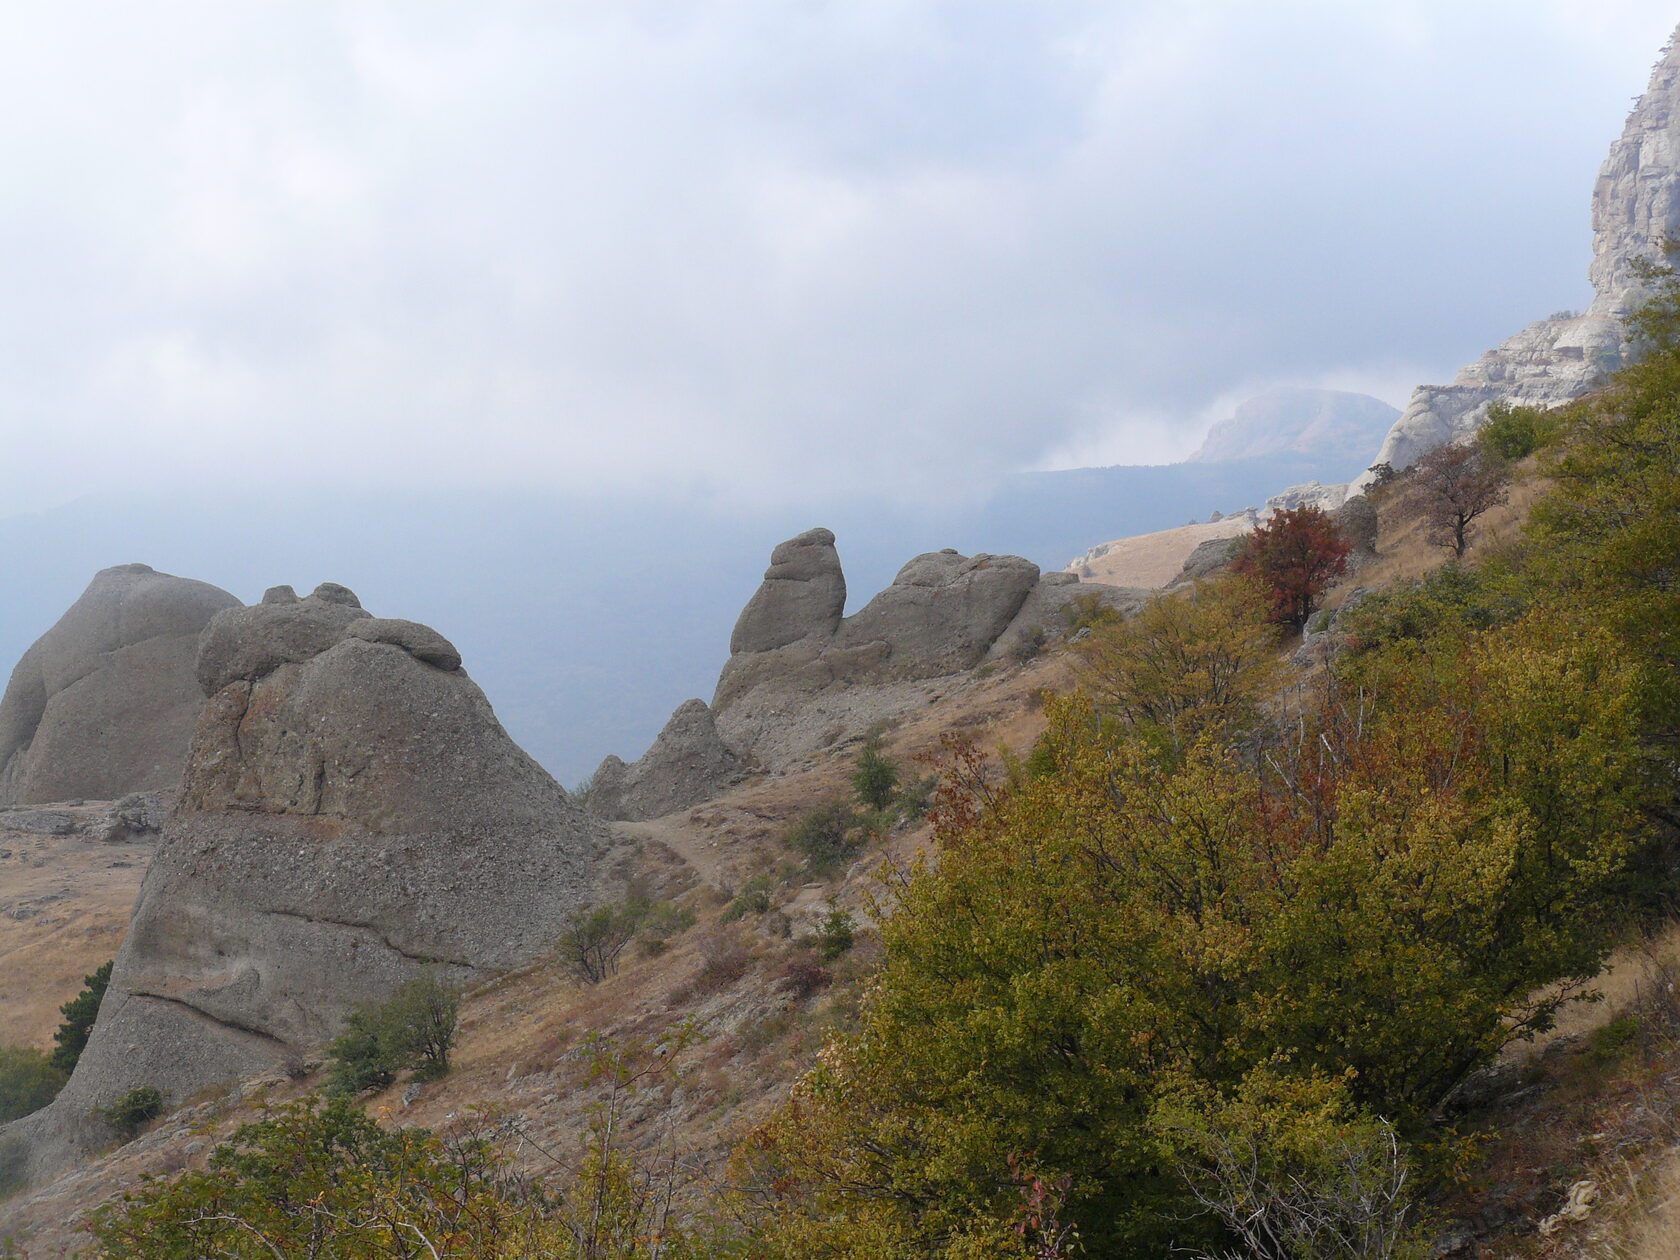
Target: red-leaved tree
point(1294, 556)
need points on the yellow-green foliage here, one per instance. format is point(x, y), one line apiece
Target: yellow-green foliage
point(1188, 664)
point(1376, 900)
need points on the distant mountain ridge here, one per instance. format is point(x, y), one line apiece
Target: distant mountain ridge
point(1325, 424)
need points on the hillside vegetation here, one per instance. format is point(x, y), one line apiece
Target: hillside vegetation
point(1222, 966)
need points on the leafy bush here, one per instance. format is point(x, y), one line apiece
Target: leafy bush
point(1090, 611)
point(876, 778)
point(1446, 604)
point(804, 975)
point(1511, 433)
point(321, 1180)
point(597, 936)
point(134, 1110)
point(835, 934)
point(1189, 663)
point(753, 898)
point(663, 920)
point(28, 1081)
point(414, 1028)
point(828, 835)
point(79, 1014)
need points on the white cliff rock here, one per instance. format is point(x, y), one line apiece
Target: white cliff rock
point(1635, 207)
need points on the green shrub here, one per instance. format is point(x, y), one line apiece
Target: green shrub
point(664, 920)
point(1089, 612)
point(134, 1110)
point(314, 1180)
point(362, 1056)
point(79, 1013)
point(828, 835)
point(1446, 603)
point(1511, 433)
point(596, 937)
point(835, 934)
point(414, 1028)
point(753, 898)
point(876, 779)
point(28, 1081)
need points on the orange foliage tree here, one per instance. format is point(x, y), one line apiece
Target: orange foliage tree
point(1294, 556)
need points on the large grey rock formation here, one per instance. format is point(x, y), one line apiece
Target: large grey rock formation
point(1635, 207)
point(104, 703)
point(688, 763)
point(351, 812)
point(800, 677)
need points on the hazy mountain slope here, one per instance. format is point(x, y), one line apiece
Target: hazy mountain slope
point(1317, 423)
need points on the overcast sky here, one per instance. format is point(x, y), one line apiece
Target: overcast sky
point(765, 250)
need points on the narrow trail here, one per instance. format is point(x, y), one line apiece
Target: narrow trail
point(687, 842)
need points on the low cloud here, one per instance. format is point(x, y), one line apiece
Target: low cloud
point(760, 251)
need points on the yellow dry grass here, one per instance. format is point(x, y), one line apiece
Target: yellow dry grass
point(1152, 560)
point(65, 903)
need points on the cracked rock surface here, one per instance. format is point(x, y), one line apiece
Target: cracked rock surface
point(351, 813)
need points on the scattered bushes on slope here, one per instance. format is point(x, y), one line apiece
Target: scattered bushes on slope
point(414, 1028)
point(133, 1111)
point(28, 1081)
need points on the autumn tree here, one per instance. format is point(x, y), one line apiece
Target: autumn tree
point(1188, 663)
point(1294, 556)
point(1459, 485)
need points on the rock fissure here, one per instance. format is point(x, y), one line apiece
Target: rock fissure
point(429, 960)
point(203, 1014)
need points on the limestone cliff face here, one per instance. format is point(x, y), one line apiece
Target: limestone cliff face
point(104, 703)
point(1635, 207)
point(351, 811)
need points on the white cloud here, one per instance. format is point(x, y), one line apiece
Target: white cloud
point(772, 251)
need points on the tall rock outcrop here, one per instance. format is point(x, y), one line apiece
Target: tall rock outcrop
point(351, 812)
point(688, 763)
point(803, 676)
point(104, 703)
point(1635, 207)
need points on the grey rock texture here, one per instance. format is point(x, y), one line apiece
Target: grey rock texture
point(941, 614)
point(1207, 559)
point(803, 596)
point(138, 816)
point(800, 676)
point(1635, 207)
point(347, 817)
point(104, 703)
point(688, 763)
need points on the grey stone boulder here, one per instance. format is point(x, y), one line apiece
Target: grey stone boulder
point(421, 642)
point(347, 820)
point(803, 596)
point(103, 704)
point(688, 763)
point(942, 613)
point(38, 822)
point(1046, 613)
point(800, 677)
point(138, 816)
point(1207, 559)
point(250, 643)
point(605, 795)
